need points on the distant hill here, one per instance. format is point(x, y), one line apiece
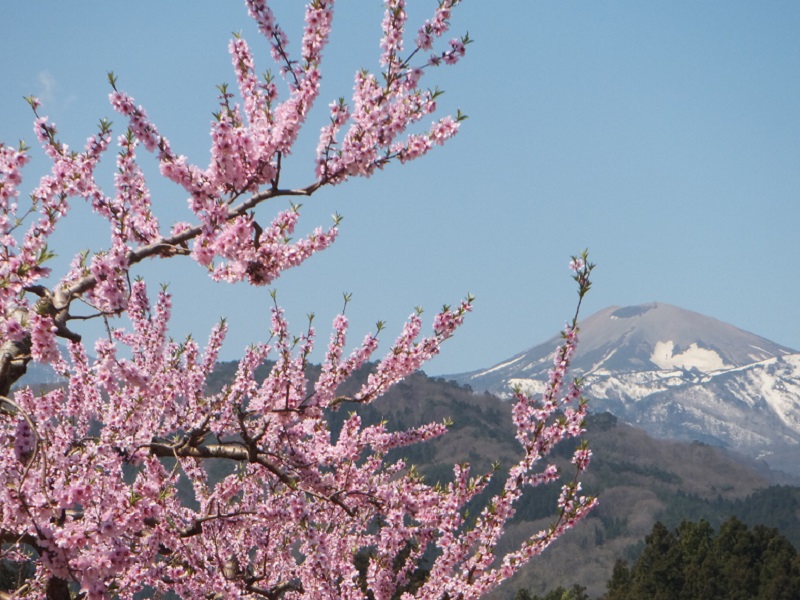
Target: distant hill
point(678, 375)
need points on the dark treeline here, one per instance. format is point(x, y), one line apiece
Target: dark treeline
point(693, 562)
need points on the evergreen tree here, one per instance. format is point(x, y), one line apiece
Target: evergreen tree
point(694, 564)
point(658, 574)
point(620, 583)
point(576, 592)
point(700, 569)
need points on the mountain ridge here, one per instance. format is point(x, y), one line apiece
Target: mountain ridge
point(679, 375)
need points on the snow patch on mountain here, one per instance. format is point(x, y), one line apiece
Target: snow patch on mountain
point(693, 357)
point(598, 366)
point(500, 366)
point(633, 387)
point(529, 387)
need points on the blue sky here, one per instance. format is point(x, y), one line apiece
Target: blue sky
point(665, 137)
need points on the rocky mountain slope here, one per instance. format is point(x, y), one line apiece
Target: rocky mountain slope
point(678, 375)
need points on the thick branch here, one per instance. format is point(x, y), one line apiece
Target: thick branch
point(243, 453)
point(276, 592)
point(7, 537)
point(229, 451)
point(14, 356)
point(165, 245)
point(14, 359)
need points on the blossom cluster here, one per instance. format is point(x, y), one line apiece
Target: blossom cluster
point(133, 476)
point(384, 108)
point(298, 504)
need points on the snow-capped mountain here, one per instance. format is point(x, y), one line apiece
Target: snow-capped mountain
point(677, 374)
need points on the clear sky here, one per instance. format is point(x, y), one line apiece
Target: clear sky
point(665, 137)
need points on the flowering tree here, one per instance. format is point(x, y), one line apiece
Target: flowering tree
point(88, 471)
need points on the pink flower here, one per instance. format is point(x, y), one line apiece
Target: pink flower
point(14, 330)
point(43, 339)
point(24, 441)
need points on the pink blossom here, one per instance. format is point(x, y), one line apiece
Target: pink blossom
point(43, 338)
point(24, 441)
point(14, 330)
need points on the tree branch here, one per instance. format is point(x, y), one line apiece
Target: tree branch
point(238, 452)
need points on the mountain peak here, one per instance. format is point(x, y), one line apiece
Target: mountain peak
point(643, 337)
point(628, 312)
point(662, 336)
point(676, 373)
